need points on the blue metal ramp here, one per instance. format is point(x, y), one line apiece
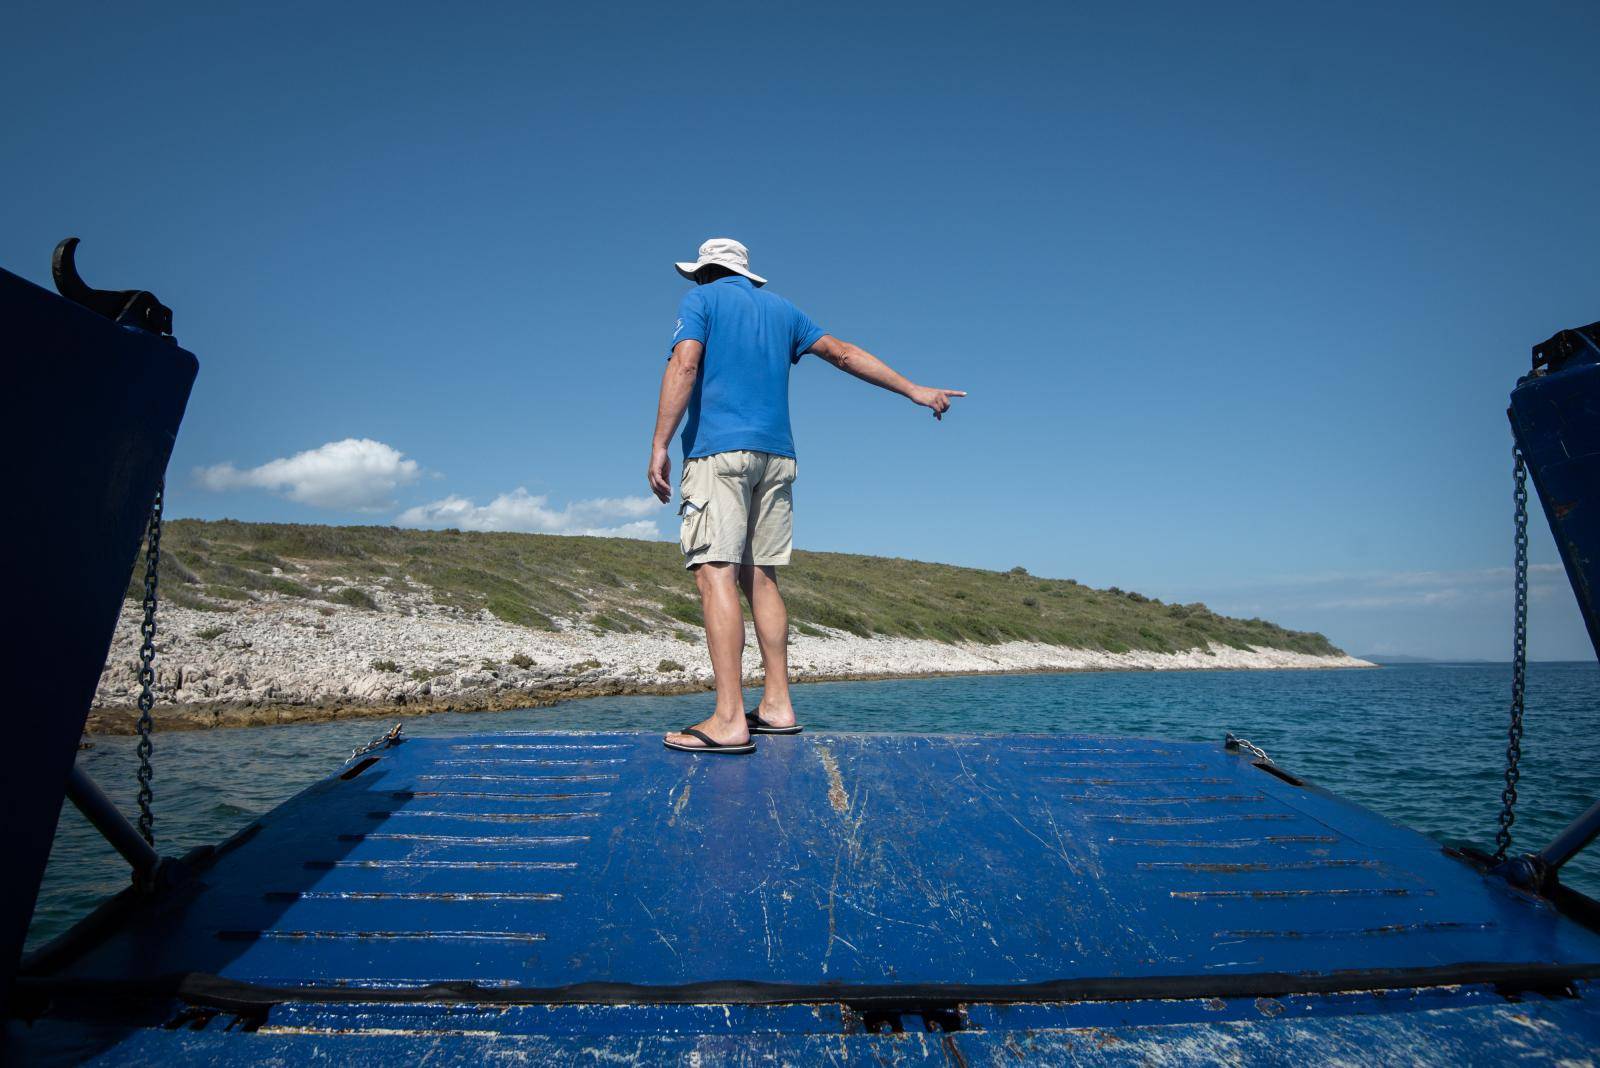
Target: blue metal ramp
point(954, 880)
point(551, 860)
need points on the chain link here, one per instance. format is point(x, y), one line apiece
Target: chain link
point(147, 671)
point(1519, 659)
point(382, 741)
point(1252, 748)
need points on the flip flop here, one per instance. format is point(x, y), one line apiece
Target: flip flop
point(758, 725)
point(709, 746)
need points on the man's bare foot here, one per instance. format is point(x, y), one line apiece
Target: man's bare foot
point(719, 731)
point(774, 715)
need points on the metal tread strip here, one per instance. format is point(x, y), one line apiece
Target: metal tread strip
point(237, 995)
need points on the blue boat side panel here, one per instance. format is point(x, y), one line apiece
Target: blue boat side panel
point(1555, 416)
point(544, 860)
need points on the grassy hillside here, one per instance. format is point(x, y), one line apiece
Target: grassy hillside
point(624, 585)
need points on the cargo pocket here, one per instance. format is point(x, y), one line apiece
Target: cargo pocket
point(694, 534)
point(784, 469)
point(733, 464)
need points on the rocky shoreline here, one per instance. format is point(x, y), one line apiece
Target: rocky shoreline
point(283, 660)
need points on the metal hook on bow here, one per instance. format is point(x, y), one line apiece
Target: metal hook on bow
point(132, 307)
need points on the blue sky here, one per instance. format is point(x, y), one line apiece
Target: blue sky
point(1238, 291)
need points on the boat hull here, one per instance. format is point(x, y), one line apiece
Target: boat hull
point(95, 411)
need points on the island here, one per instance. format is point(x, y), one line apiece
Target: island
point(265, 623)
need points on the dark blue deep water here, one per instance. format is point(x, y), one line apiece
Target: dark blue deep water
point(1422, 744)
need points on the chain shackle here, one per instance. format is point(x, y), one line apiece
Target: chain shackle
point(147, 671)
point(1519, 657)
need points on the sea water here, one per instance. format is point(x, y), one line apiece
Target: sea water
point(1422, 744)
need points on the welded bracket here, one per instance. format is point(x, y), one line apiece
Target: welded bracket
point(1540, 872)
point(151, 871)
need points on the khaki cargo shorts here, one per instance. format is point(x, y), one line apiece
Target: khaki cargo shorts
point(737, 509)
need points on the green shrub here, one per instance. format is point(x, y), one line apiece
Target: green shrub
point(684, 611)
point(172, 569)
point(356, 597)
point(285, 587)
point(620, 622)
point(513, 610)
point(669, 665)
point(522, 660)
point(205, 634)
point(384, 665)
point(1155, 640)
point(828, 615)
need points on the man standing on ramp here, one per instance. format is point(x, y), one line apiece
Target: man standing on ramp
point(729, 370)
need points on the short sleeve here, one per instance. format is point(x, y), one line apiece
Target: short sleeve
point(806, 333)
point(691, 324)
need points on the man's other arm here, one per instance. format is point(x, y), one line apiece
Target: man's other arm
point(677, 385)
point(867, 367)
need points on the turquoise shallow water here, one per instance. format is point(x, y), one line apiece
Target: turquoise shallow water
point(1422, 744)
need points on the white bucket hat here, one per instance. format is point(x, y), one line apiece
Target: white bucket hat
point(724, 252)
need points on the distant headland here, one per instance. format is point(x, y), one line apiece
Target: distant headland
point(278, 623)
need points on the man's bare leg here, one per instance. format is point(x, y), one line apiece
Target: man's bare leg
point(719, 602)
point(760, 585)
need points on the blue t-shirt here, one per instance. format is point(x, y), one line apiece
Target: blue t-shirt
point(752, 337)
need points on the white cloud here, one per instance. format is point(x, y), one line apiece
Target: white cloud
point(1356, 590)
point(521, 511)
point(356, 473)
point(1452, 614)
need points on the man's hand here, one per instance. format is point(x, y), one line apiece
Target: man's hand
point(660, 474)
point(937, 399)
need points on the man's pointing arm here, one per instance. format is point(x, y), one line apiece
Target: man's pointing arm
point(867, 367)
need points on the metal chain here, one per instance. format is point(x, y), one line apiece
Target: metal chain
point(147, 671)
point(1253, 749)
point(382, 741)
point(1519, 659)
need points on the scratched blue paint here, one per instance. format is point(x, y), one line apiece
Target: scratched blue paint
point(1534, 1031)
point(559, 859)
point(544, 860)
point(832, 1019)
point(612, 1020)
